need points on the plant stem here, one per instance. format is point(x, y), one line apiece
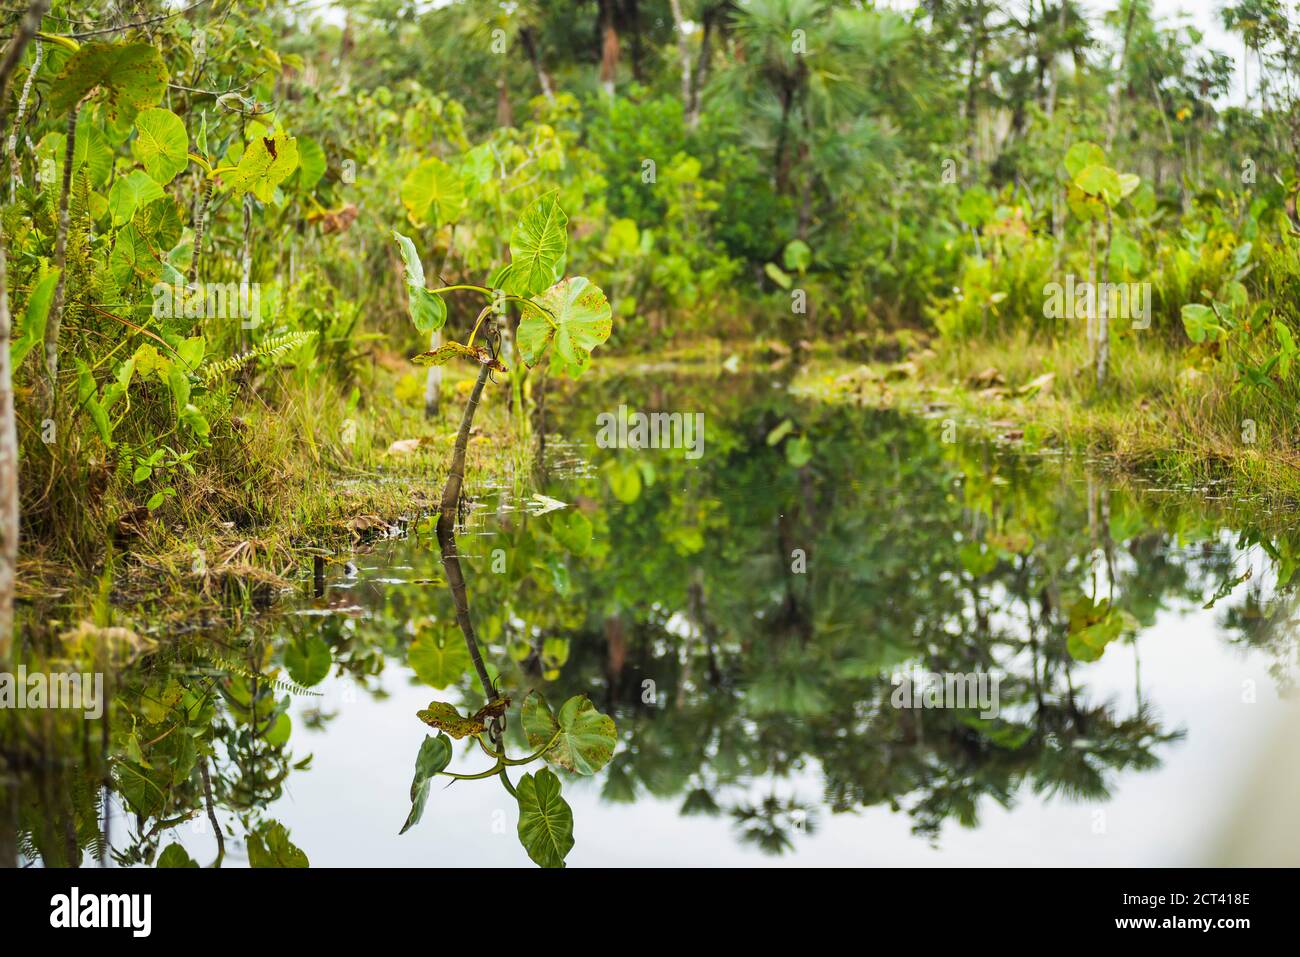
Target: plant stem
point(456, 474)
point(60, 262)
point(199, 222)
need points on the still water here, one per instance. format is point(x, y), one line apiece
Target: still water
point(744, 616)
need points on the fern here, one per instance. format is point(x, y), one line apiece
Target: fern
point(271, 348)
point(233, 667)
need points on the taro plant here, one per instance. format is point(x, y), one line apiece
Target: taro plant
point(570, 313)
point(1095, 192)
point(578, 739)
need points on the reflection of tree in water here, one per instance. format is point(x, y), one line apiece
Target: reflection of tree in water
point(669, 597)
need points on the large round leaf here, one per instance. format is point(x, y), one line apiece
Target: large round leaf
point(266, 163)
point(584, 738)
point(538, 246)
point(308, 662)
point(130, 193)
point(161, 144)
point(579, 320)
point(132, 76)
point(433, 194)
point(438, 659)
point(545, 819)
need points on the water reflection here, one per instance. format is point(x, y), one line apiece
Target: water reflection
point(742, 616)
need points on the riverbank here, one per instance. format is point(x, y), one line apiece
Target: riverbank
point(1172, 422)
point(297, 475)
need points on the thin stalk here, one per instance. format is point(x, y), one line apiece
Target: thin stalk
point(199, 223)
point(60, 262)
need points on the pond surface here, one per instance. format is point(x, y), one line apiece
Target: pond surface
point(746, 617)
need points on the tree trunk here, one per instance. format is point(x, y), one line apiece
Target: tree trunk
point(543, 78)
point(608, 47)
point(456, 474)
point(683, 51)
point(9, 517)
point(701, 71)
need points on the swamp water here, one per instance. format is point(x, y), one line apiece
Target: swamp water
point(744, 617)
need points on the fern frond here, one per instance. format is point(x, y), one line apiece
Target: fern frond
point(271, 348)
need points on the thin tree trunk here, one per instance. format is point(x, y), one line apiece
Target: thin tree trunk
point(701, 71)
point(1103, 310)
point(543, 78)
point(15, 168)
point(9, 517)
point(683, 51)
point(608, 47)
point(456, 474)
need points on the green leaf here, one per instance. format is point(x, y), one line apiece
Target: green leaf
point(161, 144)
point(308, 662)
point(777, 275)
point(438, 659)
point(174, 856)
point(545, 819)
point(1100, 181)
point(586, 738)
point(1082, 155)
point(538, 248)
point(434, 756)
point(266, 163)
point(132, 76)
point(797, 256)
point(579, 320)
point(38, 311)
point(976, 206)
point(130, 193)
point(269, 846)
point(132, 258)
point(311, 163)
point(433, 194)
point(573, 531)
point(428, 311)
point(1200, 322)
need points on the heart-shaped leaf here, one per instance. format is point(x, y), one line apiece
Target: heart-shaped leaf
point(433, 194)
point(545, 819)
point(131, 75)
point(438, 660)
point(161, 144)
point(434, 756)
point(577, 318)
point(538, 247)
point(586, 738)
point(266, 163)
point(308, 662)
point(130, 193)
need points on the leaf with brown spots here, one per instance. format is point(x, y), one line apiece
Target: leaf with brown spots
point(575, 315)
point(445, 717)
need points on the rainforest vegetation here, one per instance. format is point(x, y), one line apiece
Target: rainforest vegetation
point(279, 280)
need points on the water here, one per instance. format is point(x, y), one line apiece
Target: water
point(743, 617)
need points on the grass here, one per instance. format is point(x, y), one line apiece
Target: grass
point(297, 472)
point(1159, 415)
